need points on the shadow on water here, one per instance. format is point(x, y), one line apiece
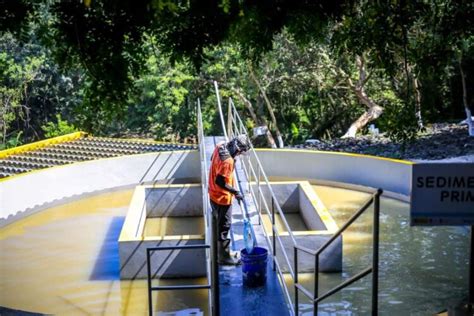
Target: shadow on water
point(107, 264)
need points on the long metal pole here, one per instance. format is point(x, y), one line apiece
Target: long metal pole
point(229, 119)
point(273, 234)
point(471, 271)
point(375, 258)
point(296, 279)
point(215, 269)
point(316, 284)
point(150, 302)
point(219, 106)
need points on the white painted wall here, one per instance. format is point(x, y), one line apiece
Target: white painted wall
point(389, 174)
point(25, 194)
point(31, 192)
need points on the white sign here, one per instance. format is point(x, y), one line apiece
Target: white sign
point(442, 194)
point(260, 130)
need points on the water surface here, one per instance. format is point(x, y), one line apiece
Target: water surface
point(423, 270)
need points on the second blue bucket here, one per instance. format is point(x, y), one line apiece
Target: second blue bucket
point(254, 266)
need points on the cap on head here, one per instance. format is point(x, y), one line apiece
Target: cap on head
point(238, 145)
point(242, 142)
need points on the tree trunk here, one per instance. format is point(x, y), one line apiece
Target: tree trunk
point(3, 124)
point(373, 110)
point(248, 104)
point(269, 107)
point(368, 116)
point(464, 100)
point(416, 87)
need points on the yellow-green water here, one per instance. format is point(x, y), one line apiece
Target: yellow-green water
point(294, 220)
point(172, 226)
point(423, 270)
point(59, 262)
point(63, 261)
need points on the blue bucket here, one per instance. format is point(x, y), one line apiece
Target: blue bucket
point(254, 266)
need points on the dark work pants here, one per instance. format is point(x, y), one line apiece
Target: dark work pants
point(223, 214)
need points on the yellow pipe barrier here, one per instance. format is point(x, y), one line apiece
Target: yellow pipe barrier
point(40, 144)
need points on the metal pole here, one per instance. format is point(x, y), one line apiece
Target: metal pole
point(215, 269)
point(375, 257)
point(273, 234)
point(471, 271)
point(229, 119)
point(296, 279)
point(150, 303)
point(316, 284)
point(248, 168)
point(220, 110)
point(259, 195)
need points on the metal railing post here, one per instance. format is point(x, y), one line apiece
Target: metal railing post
point(316, 284)
point(316, 298)
point(375, 258)
point(273, 234)
point(215, 268)
point(296, 279)
point(248, 168)
point(259, 201)
point(220, 110)
point(150, 302)
point(229, 119)
point(213, 275)
point(172, 287)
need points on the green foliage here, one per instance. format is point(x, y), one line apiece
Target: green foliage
point(162, 104)
point(398, 120)
point(32, 89)
point(13, 141)
point(58, 128)
point(126, 67)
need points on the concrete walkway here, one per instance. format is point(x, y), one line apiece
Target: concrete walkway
point(235, 299)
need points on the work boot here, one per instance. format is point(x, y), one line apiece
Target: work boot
point(225, 256)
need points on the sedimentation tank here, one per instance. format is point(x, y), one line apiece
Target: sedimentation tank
point(60, 227)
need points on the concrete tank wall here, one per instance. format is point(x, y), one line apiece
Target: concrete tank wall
point(389, 174)
point(27, 193)
point(162, 201)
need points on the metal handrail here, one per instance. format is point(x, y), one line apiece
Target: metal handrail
point(374, 269)
point(210, 244)
point(168, 287)
point(235, 124)
point(210, 221)
point(243, 129)
point(236, 120)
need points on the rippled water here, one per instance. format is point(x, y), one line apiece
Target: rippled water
point(423, 270)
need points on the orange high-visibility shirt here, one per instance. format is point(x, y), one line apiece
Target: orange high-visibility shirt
point(226, 169)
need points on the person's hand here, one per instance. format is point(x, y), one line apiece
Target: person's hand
point(239, 196)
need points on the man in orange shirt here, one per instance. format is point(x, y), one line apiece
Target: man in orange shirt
point(222, 190)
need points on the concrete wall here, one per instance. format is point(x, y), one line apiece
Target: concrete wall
point(161, 201)
point(320, 225)
point(165, 263)
point(389, 174)
point(330, 260)
point(174, 200)
point(308, 209)
point(285, 193)
point(25, 194)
